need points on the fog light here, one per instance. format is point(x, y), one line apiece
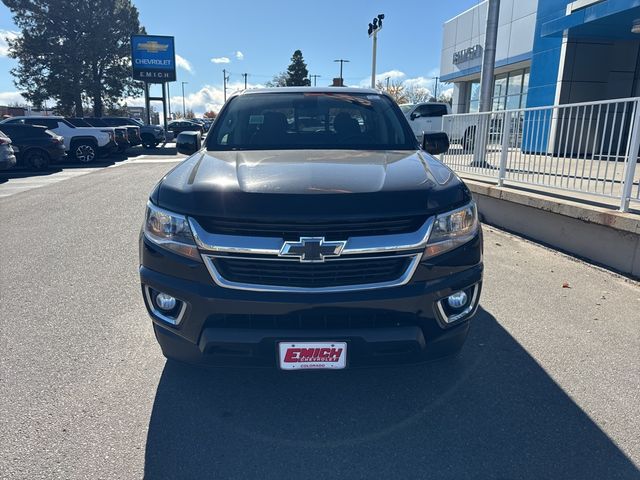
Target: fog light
point(457, 300)
point(167, 302)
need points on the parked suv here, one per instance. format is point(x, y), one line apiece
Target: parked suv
point(120, 133)
point(342, 245)
point(179, 126)
point(35, 146)
point(83, 143)
point(133, 129)
point(151, 135)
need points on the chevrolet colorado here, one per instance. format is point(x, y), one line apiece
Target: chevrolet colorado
point(310, 231)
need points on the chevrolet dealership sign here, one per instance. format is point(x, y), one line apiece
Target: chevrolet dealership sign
point(153, 58)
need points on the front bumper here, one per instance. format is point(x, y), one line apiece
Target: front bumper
point(109, 148)
point(222, 326)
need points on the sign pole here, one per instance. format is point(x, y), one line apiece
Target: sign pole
point(164, 105)
point(147, 104)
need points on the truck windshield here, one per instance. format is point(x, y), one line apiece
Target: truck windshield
point(311, 120)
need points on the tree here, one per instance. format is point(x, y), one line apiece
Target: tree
point(415, 94)
point(210, 114)
point(279, 80)
point(297, 73)
point(189, 114)
point(74, 51)
point(396, 90)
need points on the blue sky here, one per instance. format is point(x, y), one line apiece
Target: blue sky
point(258, 37)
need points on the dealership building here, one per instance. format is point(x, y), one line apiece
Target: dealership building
point(548, 52)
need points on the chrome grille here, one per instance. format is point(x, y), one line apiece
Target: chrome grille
point(331, 273)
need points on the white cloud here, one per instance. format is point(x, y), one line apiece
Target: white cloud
point(419, 82)
point(239, 55)
point(7, 98)
point(447, 93)
point(6, 35)
point(209, 97)
point(220, 60)
point(381, 77)
point(184, 63)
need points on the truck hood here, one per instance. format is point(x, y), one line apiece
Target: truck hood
point(317, 182)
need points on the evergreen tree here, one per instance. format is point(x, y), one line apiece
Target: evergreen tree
point(74, 51)
point(297, 73)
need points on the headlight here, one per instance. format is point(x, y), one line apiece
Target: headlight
point(452, 229)
point(169, 230)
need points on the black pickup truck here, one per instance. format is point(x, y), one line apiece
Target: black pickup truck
point(310, 231)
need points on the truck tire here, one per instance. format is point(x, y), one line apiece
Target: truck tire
point(84, 151)
point(469, 140)
point(148, 141)
point(37, 159)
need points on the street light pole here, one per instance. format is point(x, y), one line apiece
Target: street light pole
point(225, 77)
point(341, 60)
point(374, 27)
point(184, 111)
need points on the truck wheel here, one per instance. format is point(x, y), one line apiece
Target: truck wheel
point(148, 141)
point(469, 140)
point(84, 151)
point(37, 159)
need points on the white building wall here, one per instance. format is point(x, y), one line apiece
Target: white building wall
point(515, 33)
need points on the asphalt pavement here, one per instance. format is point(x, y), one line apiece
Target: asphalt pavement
point(546, 387)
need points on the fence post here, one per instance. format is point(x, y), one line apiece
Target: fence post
point(504, 152)
point(632, 159)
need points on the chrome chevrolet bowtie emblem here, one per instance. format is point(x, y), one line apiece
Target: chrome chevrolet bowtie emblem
point(312, 249)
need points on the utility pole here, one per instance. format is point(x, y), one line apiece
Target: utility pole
point(387, 80)
point(225, 78)
point(374, 27)
point(315, 77)
point(435, 89)
point(184, 111)
point(341, 60)
point(245, 80)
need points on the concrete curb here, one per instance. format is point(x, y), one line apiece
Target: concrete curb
point(598, 234)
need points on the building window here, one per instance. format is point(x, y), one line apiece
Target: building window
point(509, 91)
point(474, 98)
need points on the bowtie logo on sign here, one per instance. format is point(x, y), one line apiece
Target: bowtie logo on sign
point(153, 47)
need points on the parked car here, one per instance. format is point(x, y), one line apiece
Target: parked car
point(120, 133)
point(179, 126)
point(35, 146)
point(83, 143)
point(151, 135)
point(7, 156)
point(341, 247)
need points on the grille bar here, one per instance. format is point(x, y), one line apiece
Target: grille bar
point(334, 229)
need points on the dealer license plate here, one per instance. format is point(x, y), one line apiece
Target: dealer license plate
point(312, 355)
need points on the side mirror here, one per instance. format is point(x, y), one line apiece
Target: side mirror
point(188, 143)
point(414, 115)
point(435, 143)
